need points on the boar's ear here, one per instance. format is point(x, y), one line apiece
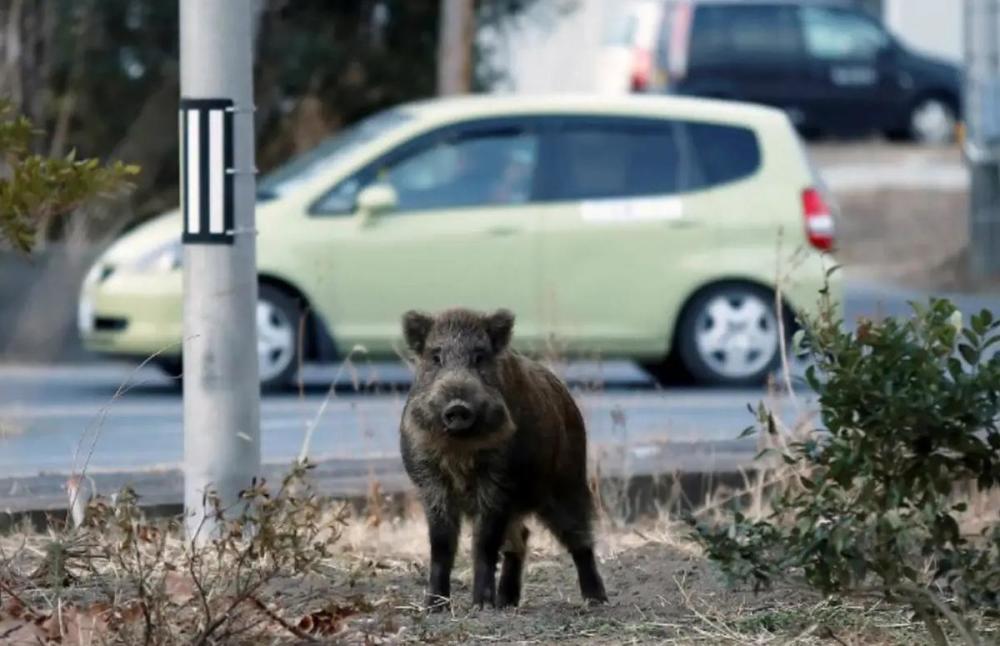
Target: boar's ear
point(416, 327)
point(499, 326)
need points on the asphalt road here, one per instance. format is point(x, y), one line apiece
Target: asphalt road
point(57, 420)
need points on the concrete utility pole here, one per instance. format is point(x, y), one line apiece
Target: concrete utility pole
point(221, 386)
point(455, 38)
point(982, 146)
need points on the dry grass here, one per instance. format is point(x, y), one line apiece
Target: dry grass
point(126, 580)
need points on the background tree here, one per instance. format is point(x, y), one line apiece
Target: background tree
point(101, 76)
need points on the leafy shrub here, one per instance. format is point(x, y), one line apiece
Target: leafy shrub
point(909, 411)
point(34, 188)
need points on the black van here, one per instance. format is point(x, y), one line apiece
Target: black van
point(832, 66)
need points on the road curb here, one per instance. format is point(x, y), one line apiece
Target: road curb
point(624, 499)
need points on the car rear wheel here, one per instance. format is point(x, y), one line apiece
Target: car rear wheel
point(729, 336)
point(277, 337)
point(932, 122)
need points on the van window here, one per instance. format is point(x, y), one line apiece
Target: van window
point(726, 33)
point(839, 35)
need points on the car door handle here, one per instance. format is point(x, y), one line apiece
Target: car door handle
point(502, 230)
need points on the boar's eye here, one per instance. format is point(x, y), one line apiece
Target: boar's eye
point(436, 358)
point(479, 357)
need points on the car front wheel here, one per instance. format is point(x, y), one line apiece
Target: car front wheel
point(277, 337)
point(729, 336)
point(277, 323)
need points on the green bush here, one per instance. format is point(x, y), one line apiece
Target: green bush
point(909, 411)
point(33, 187)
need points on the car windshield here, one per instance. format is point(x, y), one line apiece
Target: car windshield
point(307, 165)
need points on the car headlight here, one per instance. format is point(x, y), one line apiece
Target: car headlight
point(164, 258)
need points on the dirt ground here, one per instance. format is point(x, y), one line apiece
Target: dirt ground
point(661, 592)
point(370, 591)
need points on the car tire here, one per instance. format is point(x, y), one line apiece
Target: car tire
point(278, 316)
point(932, 121)
point(729, 336)
point(278, 344)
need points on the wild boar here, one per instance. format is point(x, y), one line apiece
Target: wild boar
point(493, 436)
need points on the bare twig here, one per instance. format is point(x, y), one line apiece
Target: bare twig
point(331, 393)
point(273, 616)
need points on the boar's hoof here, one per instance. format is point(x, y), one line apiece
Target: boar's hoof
point(437, 603)
point(484, 595)
point(596, 596)
point(508, 598)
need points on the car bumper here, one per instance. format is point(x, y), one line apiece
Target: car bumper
point(133, 315)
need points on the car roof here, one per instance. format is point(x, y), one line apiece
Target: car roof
point(652, 105)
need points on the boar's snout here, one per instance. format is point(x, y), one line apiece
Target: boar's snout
point(458, 416)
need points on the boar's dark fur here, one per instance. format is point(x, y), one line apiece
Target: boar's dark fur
point(493, 436)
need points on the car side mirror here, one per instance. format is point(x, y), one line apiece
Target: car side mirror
point(376, 199)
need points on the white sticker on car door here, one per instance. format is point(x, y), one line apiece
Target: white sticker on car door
point(648, 209)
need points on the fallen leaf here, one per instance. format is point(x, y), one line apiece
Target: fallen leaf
point(16, 631)
point(179, 587)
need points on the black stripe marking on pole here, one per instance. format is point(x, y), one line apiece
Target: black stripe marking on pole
point(207, 173)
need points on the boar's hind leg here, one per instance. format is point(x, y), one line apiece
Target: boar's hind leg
point(444, 524)
point(569, 519)
point(514, 549)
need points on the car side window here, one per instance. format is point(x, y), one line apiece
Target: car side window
point(341, 198)
point(613, 159)
point(474, 168)
point(479, 169)
point(838, 35)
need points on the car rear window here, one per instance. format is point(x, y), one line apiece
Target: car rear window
point(724, 153)
point(728, 33)
point(635, 158)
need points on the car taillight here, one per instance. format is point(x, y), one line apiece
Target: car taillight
point(642, 69)
point(819, 220)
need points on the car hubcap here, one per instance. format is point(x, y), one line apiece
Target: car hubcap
point(737, 335)
point(275, 340)
point(933, 122)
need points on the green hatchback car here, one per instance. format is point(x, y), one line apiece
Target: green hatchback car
point(638, 227)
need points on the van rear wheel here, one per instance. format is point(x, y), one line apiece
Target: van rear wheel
point(932, 122)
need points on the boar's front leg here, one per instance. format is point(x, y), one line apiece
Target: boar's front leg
point(444, 523)
point(491, 528)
